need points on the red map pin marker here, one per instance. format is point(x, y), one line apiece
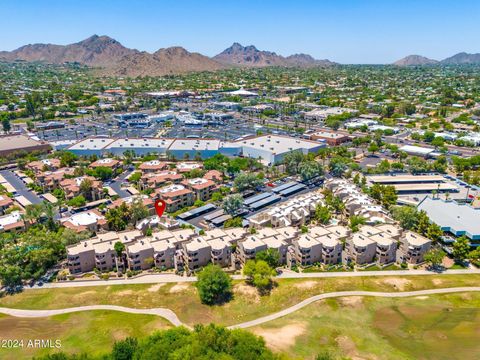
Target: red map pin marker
point(160, 206)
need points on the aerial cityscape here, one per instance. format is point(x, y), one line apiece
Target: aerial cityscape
point(283, 180)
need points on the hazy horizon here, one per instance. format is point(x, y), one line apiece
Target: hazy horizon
point(349, 32)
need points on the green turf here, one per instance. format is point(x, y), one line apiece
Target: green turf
point(440, 327)
point(91, 332)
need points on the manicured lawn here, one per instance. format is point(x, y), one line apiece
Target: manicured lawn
point(440, 327)
point(92, 332)
point(246, 304)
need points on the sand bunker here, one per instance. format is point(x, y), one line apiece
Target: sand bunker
point(155, 288)
point(282, 338)
point(397, 283)
point(180, 287)
point(351, 301)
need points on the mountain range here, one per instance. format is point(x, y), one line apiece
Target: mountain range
point(112, 58)
point(109, 57)
point(457, 59)
point(250, 56)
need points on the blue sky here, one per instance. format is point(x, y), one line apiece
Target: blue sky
point(348, 31)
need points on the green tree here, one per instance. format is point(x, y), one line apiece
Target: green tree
point(214, 285)
point(309, 170)
point(292, 161)
point(322, 214)
point(406, 216)
point(434, 257)
point(245, 181)
point(355, 222)
point(231, 204)
point(259, 274)
point(461, 249)
point(6, 125)
point(270, 256)
point(124, 349)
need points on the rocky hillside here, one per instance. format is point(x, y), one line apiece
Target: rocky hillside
point(112, 58)
point(462, 58)
point(239, 55)
point(415, 60)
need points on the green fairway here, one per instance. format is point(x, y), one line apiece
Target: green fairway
point(440, 327)
point(246, 304)
point(91, 332)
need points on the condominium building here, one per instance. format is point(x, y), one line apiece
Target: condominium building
point(81, 257)
point(360, 249)
point(90, 220)
point(305, 251)
point(331, 249)
point(249, 247)
point(140, 255)
point(176, 197)
point(197, 253)
point(412, 248)
point(164, 253)
point(221, 253)
point(202, 188)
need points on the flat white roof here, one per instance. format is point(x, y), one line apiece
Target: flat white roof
point(195, 144)
point(278, 144)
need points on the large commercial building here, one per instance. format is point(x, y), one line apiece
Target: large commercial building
point(457, 219)
point(16, 143)
point(269, 149)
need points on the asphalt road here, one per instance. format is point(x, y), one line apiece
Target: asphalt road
point(19, 185)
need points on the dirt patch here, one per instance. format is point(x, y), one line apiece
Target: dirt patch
point(155, 288)
point(247, 291)
point(125, 292)
point(306, 285)
point(282, 338)
point(86, 293)
point(348, 347)
point(397, 283)
point(421, 297)
point(437, 282)
point(447, 262)
point(351, 301)
point(180, 287)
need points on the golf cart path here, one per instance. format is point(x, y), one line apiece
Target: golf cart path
point(173, 318)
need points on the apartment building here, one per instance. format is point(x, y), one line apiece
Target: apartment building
point(50, 180)
point(176, 197)
point(412, 248)
point(44, 165)
point(71, 187)
point(164, 253)
point(294, 212)
point(153, 180)
point(105, 256)
point(249, 247)
point(202, 188)
point(386, 251)
point(305, 251)
point(332, 247)
point(153, 166)
point(197, 253)
point(106, 162)
point(221, 251)
point(5, 203)
point(90, 220)
point(140, 255)
point(81, 257)
point(359, 249)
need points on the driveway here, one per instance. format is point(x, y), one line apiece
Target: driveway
point(20, 186)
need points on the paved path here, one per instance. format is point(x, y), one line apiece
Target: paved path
point(312, 299)
point(165, 313)
point(172, 317)
point(172, 278)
